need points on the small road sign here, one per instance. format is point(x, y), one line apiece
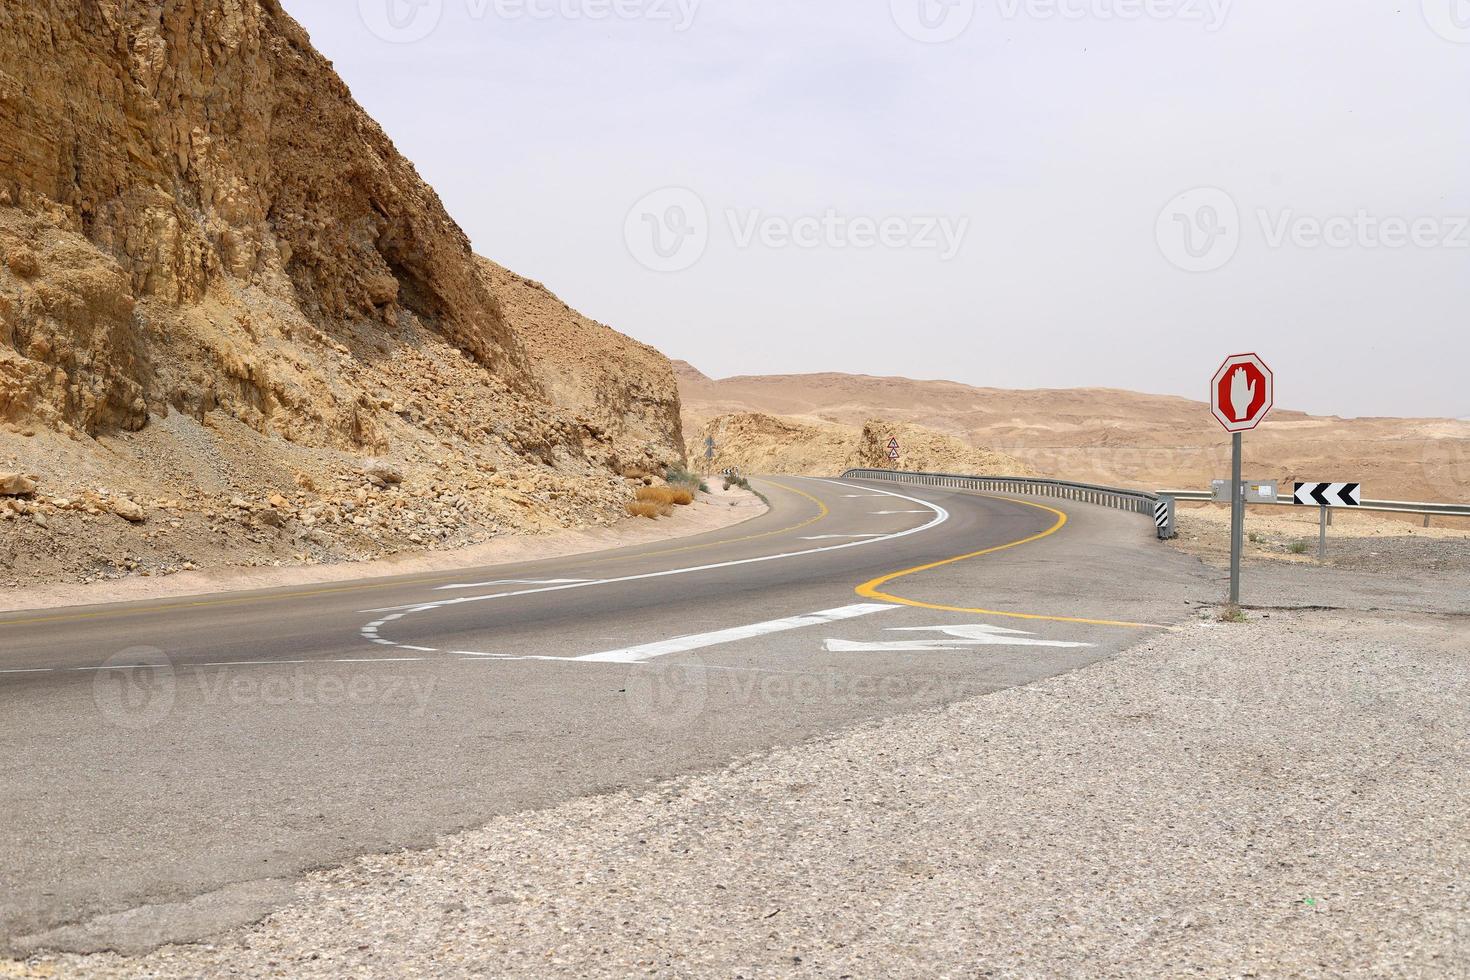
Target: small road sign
point(893, 450)
point(1242, 392)
point(893, 443)
point(1329, 494)
point(1256, 491)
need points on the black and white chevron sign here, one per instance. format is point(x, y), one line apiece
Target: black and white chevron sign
point(1329, 494)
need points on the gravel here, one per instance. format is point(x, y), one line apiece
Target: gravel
point(1284, 797)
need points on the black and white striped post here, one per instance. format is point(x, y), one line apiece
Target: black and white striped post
point(1164, 518)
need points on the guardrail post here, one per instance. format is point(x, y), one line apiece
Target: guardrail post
point(1322, 534)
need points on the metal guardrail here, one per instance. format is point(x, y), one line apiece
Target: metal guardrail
point(1427, 509)
point(1159, 507)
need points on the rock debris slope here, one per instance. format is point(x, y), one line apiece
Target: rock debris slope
point(224, 294)
point(756, 443)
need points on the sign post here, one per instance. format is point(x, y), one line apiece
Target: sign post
point(1326, 496)
point(1241, 396)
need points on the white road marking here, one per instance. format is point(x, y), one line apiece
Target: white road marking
point(964, 637)
point(513, 581)
point(940, 516)
point(839, 537)
point(698, 641)
point(29, 670)
point(855, 496)
point(887, 513)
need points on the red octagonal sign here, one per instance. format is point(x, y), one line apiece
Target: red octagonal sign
point(1242, 393)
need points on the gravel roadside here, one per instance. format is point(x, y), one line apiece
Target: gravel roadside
point(1283, 797)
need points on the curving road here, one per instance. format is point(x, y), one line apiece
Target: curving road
point(171, 766)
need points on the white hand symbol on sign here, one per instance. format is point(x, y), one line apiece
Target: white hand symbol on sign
point(1242, 394)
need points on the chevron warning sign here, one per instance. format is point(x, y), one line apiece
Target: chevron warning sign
point(1329, 494)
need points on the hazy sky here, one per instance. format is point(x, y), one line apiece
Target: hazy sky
point(1007, 193)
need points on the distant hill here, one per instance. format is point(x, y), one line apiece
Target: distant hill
point(1106, 435)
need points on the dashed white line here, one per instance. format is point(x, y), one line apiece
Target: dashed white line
point(512, 581)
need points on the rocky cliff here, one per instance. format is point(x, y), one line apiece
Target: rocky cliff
point(755, 443)
point(211, 256)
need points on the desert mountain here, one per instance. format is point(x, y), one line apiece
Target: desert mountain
point(1103, 435)
point(224, 295)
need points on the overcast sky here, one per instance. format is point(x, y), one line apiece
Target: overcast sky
point(1018, 194)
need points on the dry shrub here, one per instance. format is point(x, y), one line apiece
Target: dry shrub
point(666, 496)
point(648, 509)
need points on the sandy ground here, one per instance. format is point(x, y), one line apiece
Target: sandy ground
point(1292, 804)
point(717, 509)
point(1359, 541)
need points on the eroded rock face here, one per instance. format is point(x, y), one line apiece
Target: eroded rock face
point(206, 244)
point(753, 442)
point(204, 143)
point(625, 389)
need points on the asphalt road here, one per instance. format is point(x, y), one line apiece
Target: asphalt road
point(171, 766)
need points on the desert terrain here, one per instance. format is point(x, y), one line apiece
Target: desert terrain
point(1102, 435)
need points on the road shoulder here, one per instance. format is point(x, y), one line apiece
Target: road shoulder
point(711, 512)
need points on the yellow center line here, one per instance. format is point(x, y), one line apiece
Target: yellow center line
point(822, 512)
point(872, 590)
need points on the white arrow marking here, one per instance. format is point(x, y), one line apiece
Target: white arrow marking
point(965, 637)
point(683, 644)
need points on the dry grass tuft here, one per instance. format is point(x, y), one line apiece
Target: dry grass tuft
point(649, 509)
point(665, 496)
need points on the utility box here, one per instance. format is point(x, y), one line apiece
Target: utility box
point(1254, 491)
